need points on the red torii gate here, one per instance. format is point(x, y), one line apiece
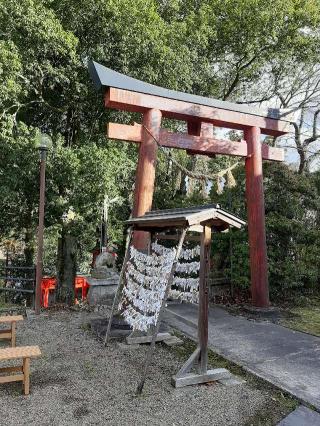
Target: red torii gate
point(201, 114)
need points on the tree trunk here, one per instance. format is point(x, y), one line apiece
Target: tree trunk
point(192, 182)
point(183, 186)
point(66, 269)
point(303, 160)
point(29, 247)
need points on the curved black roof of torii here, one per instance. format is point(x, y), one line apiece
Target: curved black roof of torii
point(104, 78)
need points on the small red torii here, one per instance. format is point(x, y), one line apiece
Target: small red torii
point(201, 114)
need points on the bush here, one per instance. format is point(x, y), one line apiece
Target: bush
point(292, 205)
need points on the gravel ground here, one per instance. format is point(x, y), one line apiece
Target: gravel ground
point(79, 382)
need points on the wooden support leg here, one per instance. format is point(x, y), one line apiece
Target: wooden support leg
point(13, 334)
point(145, 176)
point(195, 356)
point(200, 355)
point(163, 304)
point(120, 285)
point(26, 375)
point(256, 220)
point(204, 297)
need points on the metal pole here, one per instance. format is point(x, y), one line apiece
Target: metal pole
point(43, 153)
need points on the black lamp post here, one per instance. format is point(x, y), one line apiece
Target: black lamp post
point(44, 143)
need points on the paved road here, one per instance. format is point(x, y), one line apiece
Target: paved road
point(286, 358)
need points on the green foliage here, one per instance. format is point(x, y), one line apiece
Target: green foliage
point(78, 180)
point(209, 47)
point(19, 172)
point(292, 204)
point(9, 67)
point(44, 57)
point(305, 318)
point(254, 38)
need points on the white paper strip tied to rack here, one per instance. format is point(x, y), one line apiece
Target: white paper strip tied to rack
point(146, 278)
point(142, 295)
point(185, 289)
point(186, 254)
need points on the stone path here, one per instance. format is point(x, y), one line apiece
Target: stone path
point(287, 358)
point(302, 416)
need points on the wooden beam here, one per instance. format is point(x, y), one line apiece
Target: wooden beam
point(193, 144)
point(194, 127)
point(146, 338)
point(127, 100)
point(196, 379)
point(198, 128)
point(11, 369)
point(123, 132)
point(164, 237)
point(5, 334)
point(202, 145)
point(15, 378)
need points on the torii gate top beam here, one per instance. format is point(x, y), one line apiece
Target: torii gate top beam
point(129, 94)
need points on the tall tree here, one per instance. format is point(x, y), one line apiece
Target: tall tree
point(210, 47)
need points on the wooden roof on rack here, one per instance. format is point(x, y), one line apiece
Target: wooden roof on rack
point(192, 217)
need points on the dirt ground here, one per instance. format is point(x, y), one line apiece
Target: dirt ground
point(79, 382)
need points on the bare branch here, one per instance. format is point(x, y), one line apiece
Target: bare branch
point(315, 134)
point(297, 137)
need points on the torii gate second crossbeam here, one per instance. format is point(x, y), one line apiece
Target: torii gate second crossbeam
point(201, 114)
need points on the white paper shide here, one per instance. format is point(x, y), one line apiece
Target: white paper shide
point(146, 281)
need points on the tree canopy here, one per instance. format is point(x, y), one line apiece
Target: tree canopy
point(246, 51)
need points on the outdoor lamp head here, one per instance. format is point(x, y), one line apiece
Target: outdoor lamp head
point(43, 142)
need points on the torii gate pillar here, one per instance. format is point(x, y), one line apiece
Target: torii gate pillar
point(256, 220)
point(146, 171)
